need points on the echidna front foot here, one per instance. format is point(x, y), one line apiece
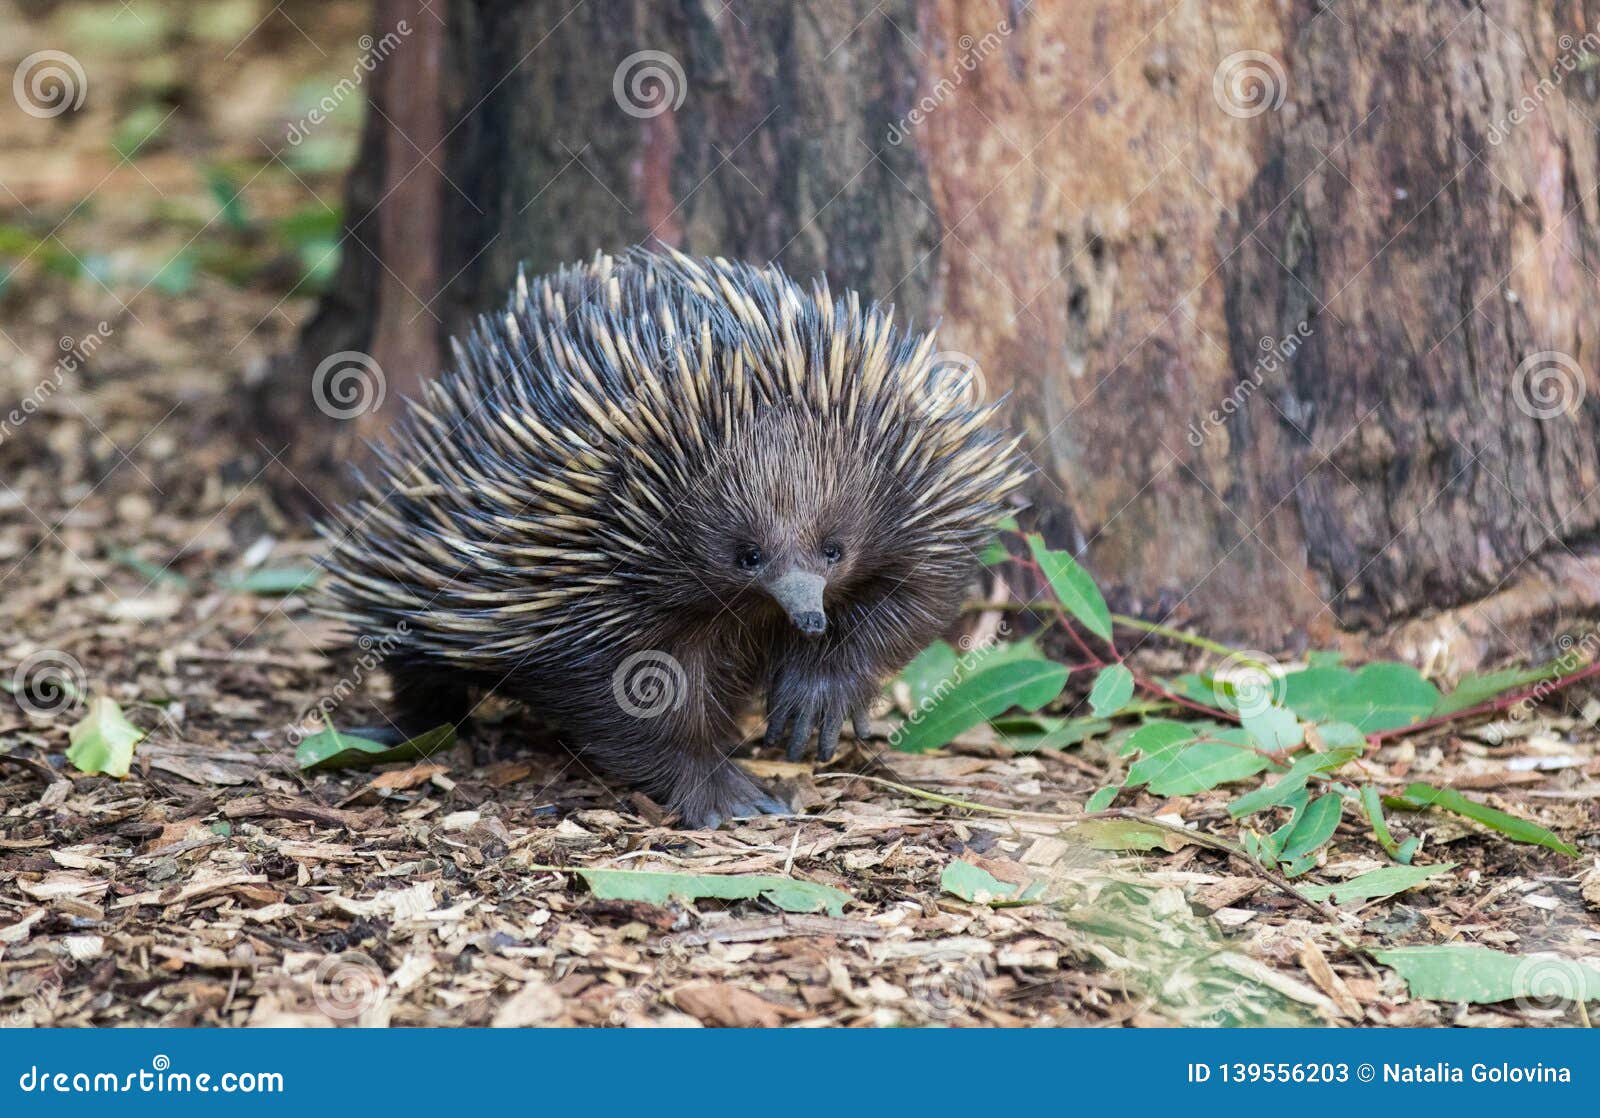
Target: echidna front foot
point(799, 704)
point(722, 794)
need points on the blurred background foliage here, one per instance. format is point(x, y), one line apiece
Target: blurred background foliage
point(179, 167)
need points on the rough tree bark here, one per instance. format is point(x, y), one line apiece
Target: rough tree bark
point(1362, 234)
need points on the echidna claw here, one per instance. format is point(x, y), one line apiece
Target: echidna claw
point(860, 723)
point(726, 792)
point(805, 718)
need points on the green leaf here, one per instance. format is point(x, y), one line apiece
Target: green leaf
point(1125, 834)
point(1061, 734)
point(1112, 689)
point(1159, 735)
point(1193, 687)
point(1480, 687)
point(1272, 845)
point(1073, 586)
point(985, 693)
point(1373, 807)
point(993, 554)
point(1340, 735)
point(229, 198)
point(329, 749)
point(933, 667)
point(979, 886)
point(1313, 829)
point(1291, 781)
point(1379, 883)
point(1102, 798)
point(649, 887)
point(176, 276)
point(149, 571)
point(103, 740)
point(135, 130)
point(1418, 796)
point(1275, 729)
point(274, 582)
point(1480, 975)
point(1185, 770)
point(1381, 696)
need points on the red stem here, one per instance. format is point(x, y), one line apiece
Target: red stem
point(1504, 702)
point(1173, 697)
point(1154, 688)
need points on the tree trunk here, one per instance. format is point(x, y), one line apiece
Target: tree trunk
point(1294, 300)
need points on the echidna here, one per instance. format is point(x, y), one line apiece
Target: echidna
point(657, 486)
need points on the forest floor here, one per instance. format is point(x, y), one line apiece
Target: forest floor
point(219, 884)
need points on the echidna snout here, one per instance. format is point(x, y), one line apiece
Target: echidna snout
point(800, 595)
point(656, 488)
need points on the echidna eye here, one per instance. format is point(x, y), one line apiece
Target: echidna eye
point(749, 557)
point(831, 552)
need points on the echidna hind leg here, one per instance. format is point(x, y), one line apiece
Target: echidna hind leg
point(708, 793)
